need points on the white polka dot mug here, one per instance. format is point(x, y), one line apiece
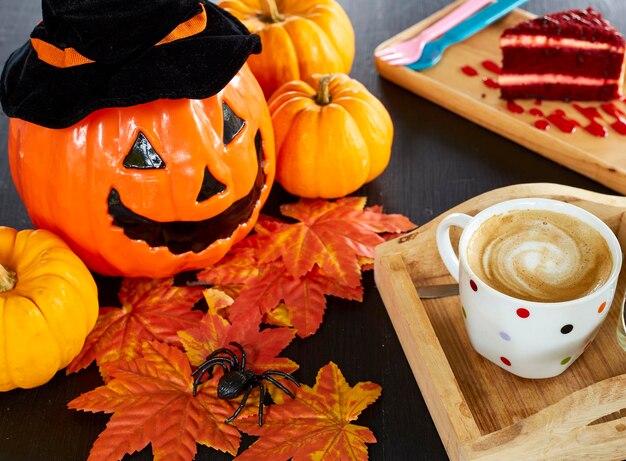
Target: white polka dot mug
point(528, 339)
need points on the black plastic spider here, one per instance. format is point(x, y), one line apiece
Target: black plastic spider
point(237, 379)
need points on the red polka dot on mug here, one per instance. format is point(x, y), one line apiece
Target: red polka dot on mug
point(601, 308)
point(506, 361)
point(473, 285)
point(523, 313)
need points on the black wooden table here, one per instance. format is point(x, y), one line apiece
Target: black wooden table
point(439, 160)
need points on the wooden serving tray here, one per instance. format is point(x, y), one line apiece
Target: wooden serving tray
point(602, 159)
point(481, 411)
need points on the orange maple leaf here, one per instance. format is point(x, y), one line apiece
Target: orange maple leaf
point(241, 263)
point(218, 301)
point(152, 401)
point(279, 317)
point(316, 425)
point(214, 332)
point(151, 309)
point(238, 266)
point(331, 235)
point(300, 263)
point(304, 297)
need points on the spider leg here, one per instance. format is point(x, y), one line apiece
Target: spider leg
point(241, 405)
point(224, 350)
point(261, 398)
point(206, 365)
point(243, 354)
point(204, 368)
point(278, 385)
point(283, 374)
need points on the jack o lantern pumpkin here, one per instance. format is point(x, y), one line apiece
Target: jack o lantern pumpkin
point(154, 189)
point(138, 134)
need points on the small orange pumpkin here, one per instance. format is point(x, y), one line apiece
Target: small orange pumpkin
point(299, 37)
point(154, 189)
point(330, 140)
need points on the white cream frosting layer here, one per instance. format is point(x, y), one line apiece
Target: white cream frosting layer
point(533, 79)
point(545, 41)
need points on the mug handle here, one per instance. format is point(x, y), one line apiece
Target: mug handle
point(444, 245)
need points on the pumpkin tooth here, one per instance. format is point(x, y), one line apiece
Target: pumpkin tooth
point(210, 186)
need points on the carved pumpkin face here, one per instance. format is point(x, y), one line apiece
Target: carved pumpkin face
point(154, 189)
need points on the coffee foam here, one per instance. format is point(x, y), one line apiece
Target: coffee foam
point(539, 255)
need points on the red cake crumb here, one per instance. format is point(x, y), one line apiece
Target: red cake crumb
point(570, 55)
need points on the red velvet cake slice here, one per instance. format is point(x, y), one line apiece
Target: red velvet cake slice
point(570, 55)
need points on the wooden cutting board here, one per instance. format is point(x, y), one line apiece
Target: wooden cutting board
point(600, 158)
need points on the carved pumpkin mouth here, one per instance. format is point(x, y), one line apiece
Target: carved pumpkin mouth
point(184, 236)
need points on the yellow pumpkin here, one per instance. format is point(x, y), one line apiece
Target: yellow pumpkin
point(330, 140)
point(299, 37)
point(48, 305)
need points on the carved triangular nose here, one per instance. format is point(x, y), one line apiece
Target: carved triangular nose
point(210, 187)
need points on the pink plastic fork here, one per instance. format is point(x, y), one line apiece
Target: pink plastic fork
point(403, 53)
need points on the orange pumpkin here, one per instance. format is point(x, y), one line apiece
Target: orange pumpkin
point(299, 37)
point(153, 189)
point(330, 140)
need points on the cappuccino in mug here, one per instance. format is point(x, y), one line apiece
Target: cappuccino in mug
point(539, 255)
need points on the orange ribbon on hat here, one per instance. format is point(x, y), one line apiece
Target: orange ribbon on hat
point(69, 57)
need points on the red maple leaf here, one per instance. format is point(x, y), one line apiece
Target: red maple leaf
point(264, 227)
point(261, 347)
point(238, 266)
point(331, 235)
point(152, 401)
point(299, 264)
point(241, 263)
point(151, 309)
point(316, 425)
point(304, 297)
point(375, 220)
point(215, 332)
point(291, 265)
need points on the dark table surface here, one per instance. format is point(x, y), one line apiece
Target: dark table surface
point(439, 160)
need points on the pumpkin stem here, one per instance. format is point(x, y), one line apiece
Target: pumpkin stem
point(270, 12)
point(322, 97)
point(8, 279)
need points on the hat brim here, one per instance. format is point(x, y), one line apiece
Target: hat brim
point(196, 67)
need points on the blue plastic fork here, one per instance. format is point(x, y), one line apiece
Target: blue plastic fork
point(434, 50)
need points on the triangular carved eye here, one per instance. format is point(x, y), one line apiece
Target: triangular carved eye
point(142, 155)
point(210, 187)
point(232, 123)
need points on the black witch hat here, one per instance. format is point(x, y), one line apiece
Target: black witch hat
point(91, 54)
